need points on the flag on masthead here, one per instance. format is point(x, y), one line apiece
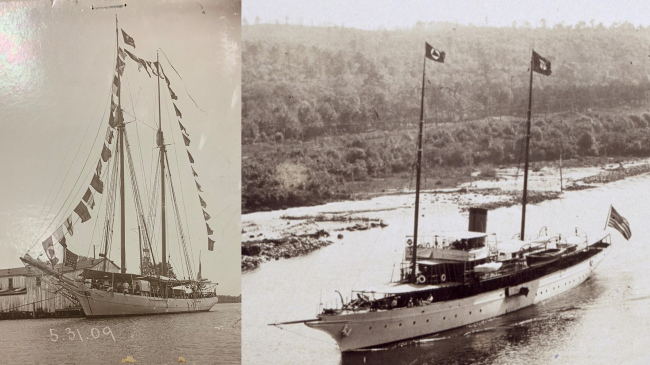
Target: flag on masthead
point(541, 65)
point(128, 39)
point(434, 54)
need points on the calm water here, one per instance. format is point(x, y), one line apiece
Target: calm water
point(606, 320)
point(201, 338)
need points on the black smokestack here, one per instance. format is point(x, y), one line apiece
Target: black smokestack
point(477, 220)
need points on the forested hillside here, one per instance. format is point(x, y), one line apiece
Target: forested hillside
point(308, 81)
point(326, 106)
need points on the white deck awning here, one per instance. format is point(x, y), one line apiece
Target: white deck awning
point(516, 245)
point(402, 288)
point(468, 235)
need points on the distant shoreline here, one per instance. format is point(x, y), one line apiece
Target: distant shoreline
point(455, 178)
point(290, 236)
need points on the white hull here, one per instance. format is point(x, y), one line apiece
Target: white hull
point(109, 304)
point(375, 328)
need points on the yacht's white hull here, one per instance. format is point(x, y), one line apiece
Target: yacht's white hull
point(99, 303)
point(381, 327)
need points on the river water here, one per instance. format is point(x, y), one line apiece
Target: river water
point(605, 320)
point(212, 337)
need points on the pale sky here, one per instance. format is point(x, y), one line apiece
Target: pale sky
point(377, 14)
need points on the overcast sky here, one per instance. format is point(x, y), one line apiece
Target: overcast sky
point(375, 14)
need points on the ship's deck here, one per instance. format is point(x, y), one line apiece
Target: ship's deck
point(402, 288)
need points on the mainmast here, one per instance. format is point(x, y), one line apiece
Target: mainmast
point(525, 195)
point(438, 56)
point(417, 183)
point(540, 65)
point(120, 131)
point(161, 145)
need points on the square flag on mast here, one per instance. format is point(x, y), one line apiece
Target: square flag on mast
point(541, 65)
point(434, 54)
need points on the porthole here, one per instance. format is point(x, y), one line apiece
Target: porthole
point(413, 322)
point(470, 312)
point(400, 325)
point(385, 326)
point(427, 321)
point(443, 318)
point(455, 315)
point(370, 328)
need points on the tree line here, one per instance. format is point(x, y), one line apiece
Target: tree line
point(278, 176)
point(302, 82)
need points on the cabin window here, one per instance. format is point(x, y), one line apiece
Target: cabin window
point(38, 281)
point(11, 283)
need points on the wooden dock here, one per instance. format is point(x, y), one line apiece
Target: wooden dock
point(59, 313)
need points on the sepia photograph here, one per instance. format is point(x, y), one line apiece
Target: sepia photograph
point(120, 202)
point(429, 182)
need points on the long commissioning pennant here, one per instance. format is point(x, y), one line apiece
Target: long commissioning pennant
point(141, 63)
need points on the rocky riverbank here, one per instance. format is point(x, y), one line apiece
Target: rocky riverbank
point(299, 231)
point(618, 173)
point(256, 252)
point(287, 241)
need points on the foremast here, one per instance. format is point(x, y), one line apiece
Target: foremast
point(418, 167)
point(163, 151)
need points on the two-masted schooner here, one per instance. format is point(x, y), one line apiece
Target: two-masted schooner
point(154, 290)
point(452, 279)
